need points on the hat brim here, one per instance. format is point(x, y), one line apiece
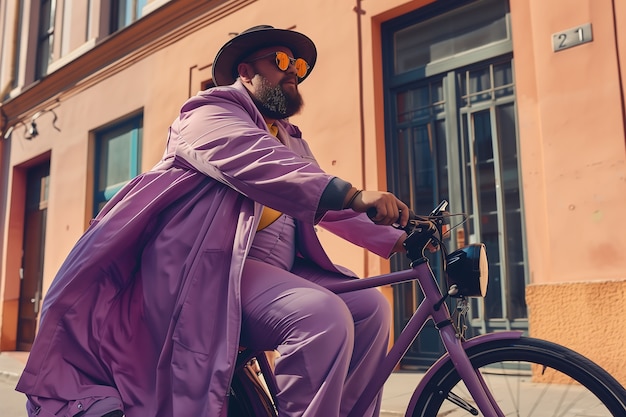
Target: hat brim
point(242, 45)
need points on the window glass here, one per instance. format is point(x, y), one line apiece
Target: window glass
point(462, 29)
point(45, 37)
point(125, 12)
point(115, 156)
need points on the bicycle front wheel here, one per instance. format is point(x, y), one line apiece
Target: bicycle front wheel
point(527, 377)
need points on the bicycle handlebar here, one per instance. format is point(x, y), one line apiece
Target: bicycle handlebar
point(421, 230)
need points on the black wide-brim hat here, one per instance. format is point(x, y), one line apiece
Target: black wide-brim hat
point(253, 39)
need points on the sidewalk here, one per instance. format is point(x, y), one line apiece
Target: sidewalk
point(396, 394)
point(12, 403)
point(565, 400)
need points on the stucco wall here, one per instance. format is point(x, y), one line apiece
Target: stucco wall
point(572, 148)
point(584, 316)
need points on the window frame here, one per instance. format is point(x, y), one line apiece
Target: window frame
point(135, 125)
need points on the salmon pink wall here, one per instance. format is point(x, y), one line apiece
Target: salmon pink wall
point(571, 129)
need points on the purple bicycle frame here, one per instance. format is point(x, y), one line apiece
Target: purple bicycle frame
point(454, 346)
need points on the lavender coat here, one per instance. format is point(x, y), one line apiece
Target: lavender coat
point(145, 310)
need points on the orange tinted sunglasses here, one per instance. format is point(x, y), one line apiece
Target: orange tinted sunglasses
point(283, 61)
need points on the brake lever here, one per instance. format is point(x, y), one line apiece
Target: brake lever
point(440, 209)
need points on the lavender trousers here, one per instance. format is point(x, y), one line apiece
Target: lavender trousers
point(329, 345)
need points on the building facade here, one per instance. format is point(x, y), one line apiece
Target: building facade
point(512, 110)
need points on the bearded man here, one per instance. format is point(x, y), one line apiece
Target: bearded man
point(215, 248)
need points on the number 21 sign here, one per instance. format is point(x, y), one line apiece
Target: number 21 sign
point(572, 37)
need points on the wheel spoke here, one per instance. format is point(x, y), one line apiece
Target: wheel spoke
point(527, 378)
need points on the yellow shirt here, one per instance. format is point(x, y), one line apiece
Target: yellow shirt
point(269, 215)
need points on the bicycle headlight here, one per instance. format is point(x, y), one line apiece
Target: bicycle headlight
point(468, 270)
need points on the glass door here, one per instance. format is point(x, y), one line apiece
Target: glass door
point(451, 133)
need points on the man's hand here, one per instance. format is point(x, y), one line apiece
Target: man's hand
point(389, 209)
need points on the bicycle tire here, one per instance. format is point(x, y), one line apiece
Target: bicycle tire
point(593, 388)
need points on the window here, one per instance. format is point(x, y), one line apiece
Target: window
point(45, 37)
point(125, 12)
point(205, 85)
point(117, 158)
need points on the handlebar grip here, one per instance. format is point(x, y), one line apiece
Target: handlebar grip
point(372, 212)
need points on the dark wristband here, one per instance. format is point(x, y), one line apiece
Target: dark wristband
point(334, 194)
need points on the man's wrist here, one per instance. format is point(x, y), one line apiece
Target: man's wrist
point(350, 197)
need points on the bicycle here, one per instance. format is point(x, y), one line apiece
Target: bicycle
point(467, 377)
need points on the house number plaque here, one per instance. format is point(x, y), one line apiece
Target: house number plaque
point(572, 37)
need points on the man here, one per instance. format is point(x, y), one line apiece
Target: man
point(215, 248)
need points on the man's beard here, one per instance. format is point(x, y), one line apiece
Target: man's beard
point(273, 101)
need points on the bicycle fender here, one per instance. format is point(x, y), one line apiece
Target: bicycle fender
point(474, 341)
